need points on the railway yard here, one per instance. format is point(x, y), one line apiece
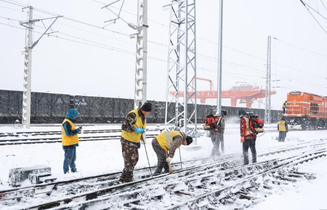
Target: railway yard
point(199, 182)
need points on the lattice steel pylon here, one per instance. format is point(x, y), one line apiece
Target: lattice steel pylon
point(181, 69)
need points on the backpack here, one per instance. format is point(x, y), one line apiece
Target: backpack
point(256, 124)
point(209, 122)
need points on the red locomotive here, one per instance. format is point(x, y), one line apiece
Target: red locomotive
point(307, 110)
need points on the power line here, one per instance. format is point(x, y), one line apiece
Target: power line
point(14, 3)
point(300, 47)
point(100, 45)
point(305, 4)
point(323, 4)
point(103, 46)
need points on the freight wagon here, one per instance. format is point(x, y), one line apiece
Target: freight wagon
point(52, 108)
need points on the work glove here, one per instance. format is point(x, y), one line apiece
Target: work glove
point(139, 130)
point(168, 159)
point(242, 139)
point(139, 145)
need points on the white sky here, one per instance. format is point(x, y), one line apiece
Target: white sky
point(100, 157)
point(81, 59)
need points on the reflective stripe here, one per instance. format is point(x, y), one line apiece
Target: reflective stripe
point(168, 136)
point(282, 126)
point(247, 126)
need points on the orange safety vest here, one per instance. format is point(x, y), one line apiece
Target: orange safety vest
point(247, 127)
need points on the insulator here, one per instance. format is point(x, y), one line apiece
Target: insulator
point(138, 96)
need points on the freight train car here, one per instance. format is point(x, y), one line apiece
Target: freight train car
point(307, 110)
point(52, 108)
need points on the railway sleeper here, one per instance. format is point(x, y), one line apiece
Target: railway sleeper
point(276, 182)
point(285, 178)
point(309, 176)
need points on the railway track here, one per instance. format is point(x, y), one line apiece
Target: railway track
point(55, 137)
point(219, 181)
point(34, 137)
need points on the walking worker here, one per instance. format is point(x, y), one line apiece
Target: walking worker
point(132, 129)
point(283, 129)
point(69, 136)
point(248, 137)
point(165, 145)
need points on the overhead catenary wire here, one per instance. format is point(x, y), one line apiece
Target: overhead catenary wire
point(107, 47)
point(306, 6)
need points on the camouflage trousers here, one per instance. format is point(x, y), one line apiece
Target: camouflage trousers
point(131, 157)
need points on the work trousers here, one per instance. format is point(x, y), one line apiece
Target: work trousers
point(131, 157)
point(70, 158)
point(249, 143)
point(161, 156)
point(218, 143)
point(282, 136)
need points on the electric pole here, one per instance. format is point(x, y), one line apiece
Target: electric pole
point(220, 50)
point(29, 45)
point(268, 83)
point(28, 71)
point(140, 94)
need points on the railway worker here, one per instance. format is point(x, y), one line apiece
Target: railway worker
point(283, 129)
point(248, 137)
point(284, 107)
point(220, 120)
point(165, 145)
point(69, 136)
point(132, 129)
point(213, 134)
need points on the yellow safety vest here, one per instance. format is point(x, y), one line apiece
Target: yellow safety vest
point(165, 139)
point(68, 140)
point(281, 125)
point(133, 136)
point(284, 105)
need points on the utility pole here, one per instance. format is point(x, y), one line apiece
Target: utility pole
point(268, 83)
point(220, 50)
point(29, 45)
point(26, 119)
point(140, 95)
point(140, 90)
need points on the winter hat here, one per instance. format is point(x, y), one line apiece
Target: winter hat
point(223, 112)
point(147, 107)
point(189, 140)
point(71, 114)
point(241, 112)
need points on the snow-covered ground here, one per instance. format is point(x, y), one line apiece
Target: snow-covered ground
point(99, 157)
